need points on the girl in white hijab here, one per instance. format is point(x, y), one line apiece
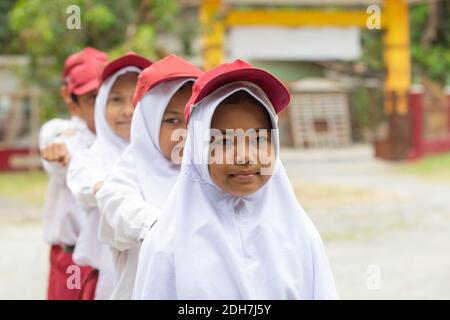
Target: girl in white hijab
point(134, 192)
point(233, 230)
point(113, 111)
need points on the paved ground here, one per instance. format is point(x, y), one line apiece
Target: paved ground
point(23, 254)
point(387, 235)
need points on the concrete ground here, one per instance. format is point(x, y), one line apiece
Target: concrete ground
point(387, 235)
point(23, 254)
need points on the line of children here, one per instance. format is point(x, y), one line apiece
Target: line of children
point(59, 139)
point(222, 224)
point(87, 170)
point(132, 196)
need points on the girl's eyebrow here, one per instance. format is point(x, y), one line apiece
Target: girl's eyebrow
point(116, 91)
point(173, 112)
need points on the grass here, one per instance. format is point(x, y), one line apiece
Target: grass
point(435, 167)
point(29, 186)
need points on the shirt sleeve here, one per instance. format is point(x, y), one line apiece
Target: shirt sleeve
point(49, 133)
point(125, 215)
point(51, 130)
point(82, 176)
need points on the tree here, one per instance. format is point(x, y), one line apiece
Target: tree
point(40, 30)
point(5, 32)
point(430, 40)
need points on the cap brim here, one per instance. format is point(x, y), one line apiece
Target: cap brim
point(125, 61)
point(141, 91)
point(277, 93)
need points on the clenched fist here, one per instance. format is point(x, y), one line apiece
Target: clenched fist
point(56, 152)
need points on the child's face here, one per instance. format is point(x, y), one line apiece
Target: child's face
point(119, 108)
point(173, 119)
point(86, 107)
point(244, 172)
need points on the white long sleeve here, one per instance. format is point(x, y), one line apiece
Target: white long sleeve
point(125, 216)
point(62, 218)
point(81, 179)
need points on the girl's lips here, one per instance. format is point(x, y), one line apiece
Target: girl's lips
point(244, 175)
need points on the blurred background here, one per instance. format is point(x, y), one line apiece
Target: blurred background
point(366, 139)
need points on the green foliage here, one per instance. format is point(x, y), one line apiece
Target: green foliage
point(113, 26)
point(6, 38)
point(372, 50)
point(38, 28)
point(163, 13)
point(101, 17)
point(434, 61)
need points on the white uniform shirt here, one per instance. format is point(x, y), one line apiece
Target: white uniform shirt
point(62, 217)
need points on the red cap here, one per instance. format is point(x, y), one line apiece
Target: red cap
point(77, 58)
point(69, 63)
point(86, 70)
point(168, 68)
point(239, 70)
point(130, 59)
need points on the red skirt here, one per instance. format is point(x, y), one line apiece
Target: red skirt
point(66, 277)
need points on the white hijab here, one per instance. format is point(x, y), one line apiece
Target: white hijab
point(211, 245)
point(88, 168)
point(156, 174)
point(108, 145)
point(92, 165)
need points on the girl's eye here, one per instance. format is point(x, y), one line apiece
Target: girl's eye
point(226, 142)
point(172, 120)
point(116, 99)
point(221, 141)
point(262, 139)
point(259, 139)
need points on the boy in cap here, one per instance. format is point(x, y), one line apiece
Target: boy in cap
point(58, 140)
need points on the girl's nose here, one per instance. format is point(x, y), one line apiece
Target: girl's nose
point(128, 110)
point(243, 160)
point(245, 154)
